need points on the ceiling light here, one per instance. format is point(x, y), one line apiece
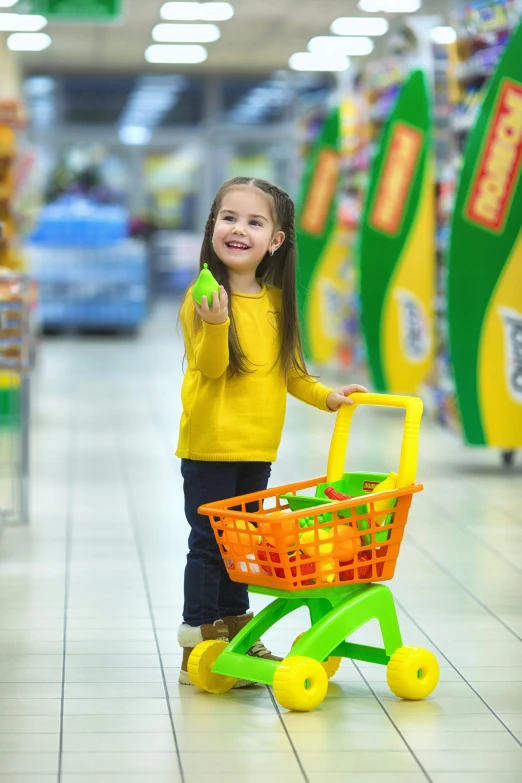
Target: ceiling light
point(402, 6)
point(151, 101)
point(337, 45)
point(197, 12)
point(182, 12)
point(307, 61)
point(28, 42)
point(390, 6)
point(371, 6)
point(443, 35)
point(176, 53)
point(186, 33)
point(7, 3)
point(357, 25)
point(216, 12)
point(134, 134)
point(24, 23)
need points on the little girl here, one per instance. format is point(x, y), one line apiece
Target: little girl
point(244, 354)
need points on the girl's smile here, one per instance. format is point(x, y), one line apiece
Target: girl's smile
point(237, 245)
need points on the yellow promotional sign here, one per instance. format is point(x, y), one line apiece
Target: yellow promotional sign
point(323, 247)
point(407, 324)
point(326, 300)
point(485, 265)
point(500, 357)
point(397, 249)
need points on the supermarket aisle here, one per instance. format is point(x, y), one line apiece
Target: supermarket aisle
point(90, 600)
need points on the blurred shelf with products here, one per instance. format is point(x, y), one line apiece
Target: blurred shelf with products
point(16, 360)
point(17, 332)
point(381, 84)
point(462, 71)
point(353, 176)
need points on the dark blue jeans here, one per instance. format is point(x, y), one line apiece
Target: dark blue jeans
point(209, 592)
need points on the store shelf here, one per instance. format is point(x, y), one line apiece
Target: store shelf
point(468, 64)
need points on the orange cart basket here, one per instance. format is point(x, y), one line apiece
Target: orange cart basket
point(264, 542)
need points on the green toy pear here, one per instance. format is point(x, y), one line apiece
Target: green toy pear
point(205, 285)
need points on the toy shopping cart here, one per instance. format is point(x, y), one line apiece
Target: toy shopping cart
point(305, 549)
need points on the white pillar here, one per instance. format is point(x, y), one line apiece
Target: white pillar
point(10, 73)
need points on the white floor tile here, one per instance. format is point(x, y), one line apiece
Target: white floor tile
point(94, 763)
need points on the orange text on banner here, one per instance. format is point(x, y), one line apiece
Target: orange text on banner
point(322, 190)
point(397, 178)
point(499, 167)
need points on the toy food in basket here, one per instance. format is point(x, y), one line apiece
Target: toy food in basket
point(314, 540)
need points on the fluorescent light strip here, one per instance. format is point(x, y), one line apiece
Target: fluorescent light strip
point(357, 25)
point(152, 98)
point(186, 33)
point(390, 6)
point(325, 45)
point(308, 61)
point(197, 12)
point(182, 12)
point(151, 106)
point(28, 42)
point(176, 53)
point(268, 95)
point(22, 23)
point(7, 3)
point(134, 134)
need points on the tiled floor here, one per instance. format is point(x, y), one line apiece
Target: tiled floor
point(90, 598)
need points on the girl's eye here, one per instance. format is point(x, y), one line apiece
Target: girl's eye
point(228, 217)
point(255, 223)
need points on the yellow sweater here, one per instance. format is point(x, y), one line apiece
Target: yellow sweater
point(232, 418)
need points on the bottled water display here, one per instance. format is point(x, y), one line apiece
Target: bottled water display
point(89, 274)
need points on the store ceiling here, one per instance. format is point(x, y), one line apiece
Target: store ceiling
point(260, 37)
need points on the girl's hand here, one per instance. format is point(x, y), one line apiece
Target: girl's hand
point(217, 313)
point(341, 396)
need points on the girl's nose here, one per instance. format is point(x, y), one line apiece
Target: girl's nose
point(238, 229)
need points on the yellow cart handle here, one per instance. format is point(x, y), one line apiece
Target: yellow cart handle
point(410, 439)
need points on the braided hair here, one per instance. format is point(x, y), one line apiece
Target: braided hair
point(279, 270)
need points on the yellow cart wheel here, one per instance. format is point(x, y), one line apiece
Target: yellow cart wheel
point(331, 665)
point(412, 673)
point(300, 683)
point(200, 663)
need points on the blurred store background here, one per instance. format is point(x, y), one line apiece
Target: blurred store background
point(119, 119)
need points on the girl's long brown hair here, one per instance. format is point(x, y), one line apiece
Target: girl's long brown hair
point(279, 270)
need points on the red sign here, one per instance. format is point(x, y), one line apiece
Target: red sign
point(369, 486)
point(396, 180)
point(322, 191)
point(499, 167)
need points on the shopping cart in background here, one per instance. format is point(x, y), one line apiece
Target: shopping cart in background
point(305, 549)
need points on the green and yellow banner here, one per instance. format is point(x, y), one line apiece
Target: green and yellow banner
point(321, 249)
point(485, 265)
point(397, 247)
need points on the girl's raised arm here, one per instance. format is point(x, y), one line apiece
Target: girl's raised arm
point(206, 344)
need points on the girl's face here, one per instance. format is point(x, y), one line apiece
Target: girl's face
point(244, 229)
